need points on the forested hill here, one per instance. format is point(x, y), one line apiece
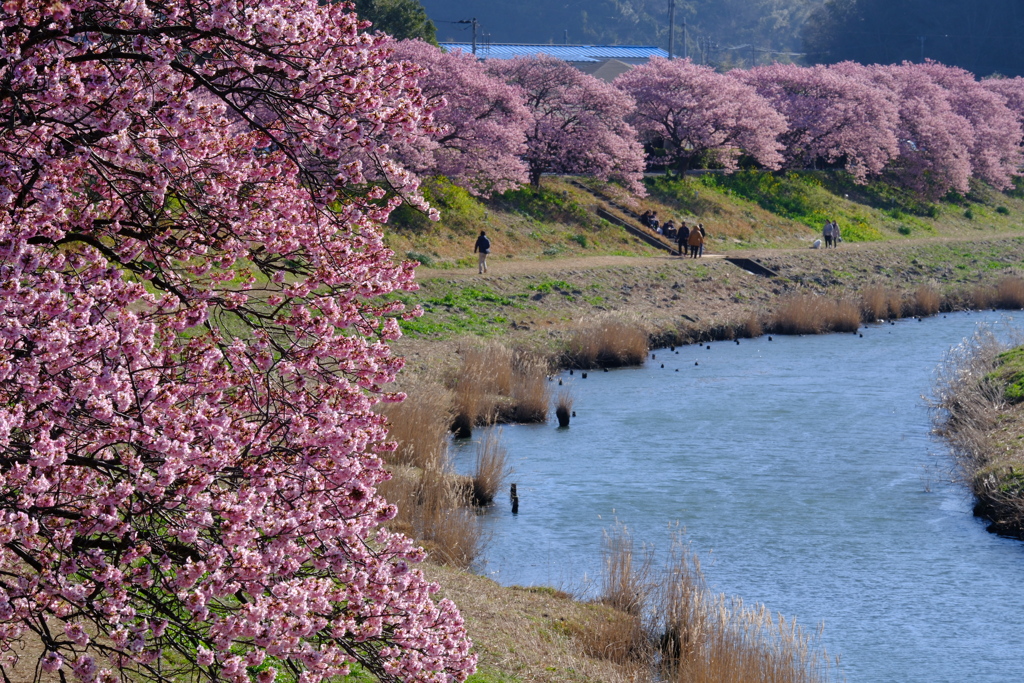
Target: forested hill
point(715, 28)
point(983, 36)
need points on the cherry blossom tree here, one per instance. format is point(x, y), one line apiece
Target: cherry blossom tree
point(832, 118)
point(480, 122)
point(1012, 91)
point(935, 141)
point(192, 343)
point(995, 144)
point(578, 121)
point(696, 113)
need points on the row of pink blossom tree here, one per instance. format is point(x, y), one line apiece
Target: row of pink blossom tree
point(928, 127)
point(192, 341)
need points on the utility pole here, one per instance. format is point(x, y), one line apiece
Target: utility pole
point(921, 38)
point(686, 47)
point(671, 28)
point(473, 22)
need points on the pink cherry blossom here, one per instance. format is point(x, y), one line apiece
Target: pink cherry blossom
point(697, 114)
point(578, 121)
point(479, 131)
point(193, 340)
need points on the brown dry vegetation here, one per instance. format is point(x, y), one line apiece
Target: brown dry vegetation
point(811, 314)
point(608, 342)
point(983, 419)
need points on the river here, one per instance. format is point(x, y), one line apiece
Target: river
point(807, 478)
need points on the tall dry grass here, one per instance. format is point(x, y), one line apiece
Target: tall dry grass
point(968, 412)
point(752, 326)
point(708, 638)
point(419, 427)
point(530, 393)
point(563, 409)
point(608, 343)
point(491, 469)
point(812, 314)
point(880, 303)
point(924, 301)
point(1010, 293)
point(431, 510)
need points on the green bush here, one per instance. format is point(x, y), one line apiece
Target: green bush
point(1002, 210)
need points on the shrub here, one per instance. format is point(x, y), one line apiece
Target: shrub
point(1002, 210)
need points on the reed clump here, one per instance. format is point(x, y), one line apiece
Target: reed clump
point(1009, 293)
point(924, 301)
point(813, 314)
point(419, 427)
point(563, 409)
point(431, 509)
point(672, 626)
point(530, 393)
point(491, 469)
point(495, 384)
point(607, 343)
point(880, 303)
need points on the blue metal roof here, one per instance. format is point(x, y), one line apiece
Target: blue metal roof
point(568, 53)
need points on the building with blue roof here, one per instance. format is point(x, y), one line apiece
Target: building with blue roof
point(603, 61)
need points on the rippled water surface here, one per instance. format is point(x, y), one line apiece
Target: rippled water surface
point(805, 474)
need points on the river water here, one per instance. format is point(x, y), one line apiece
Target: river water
point(806, 477)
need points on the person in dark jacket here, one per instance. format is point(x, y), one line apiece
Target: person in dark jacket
point(482, 248)
point(683, 239)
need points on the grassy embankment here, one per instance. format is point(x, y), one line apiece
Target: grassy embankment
point(568, 289)
point(980, 411)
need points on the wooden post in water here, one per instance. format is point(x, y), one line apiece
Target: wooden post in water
point(515, 499)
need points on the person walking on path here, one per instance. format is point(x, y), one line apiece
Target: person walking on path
point(826, 232)
point(836, 238)
point(682, 239)
point(696, 241)
point(482, 248)
point(703, 239)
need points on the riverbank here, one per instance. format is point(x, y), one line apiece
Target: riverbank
point(981, 414)
point(540, 304)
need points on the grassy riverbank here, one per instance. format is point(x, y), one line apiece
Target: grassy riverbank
point(559, 276)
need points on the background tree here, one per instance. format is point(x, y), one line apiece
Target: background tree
point(935, 141)
point(401, 19)
point(480, 122)
point(696, 114)
point(192, 344)
point(832, 118)
point(982, 36)
point(577, 121)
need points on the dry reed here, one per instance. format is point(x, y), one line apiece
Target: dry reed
point(980, 297)
point(564, 407)
point(925, 301)
point(431, 510)
point(879, 303)
point(752, 326)
point(607, 343)
point(1010, 293)
point(419, 427)
point(968, 411)
point(707, 638)
point(530, 393)
point(811, 314)
point(491, 469)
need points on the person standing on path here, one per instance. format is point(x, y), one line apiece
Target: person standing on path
point(682, 239)
point(826, 232)
point(696, 241)
point(482, 248)
point(836, 238)
point(703, 239)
